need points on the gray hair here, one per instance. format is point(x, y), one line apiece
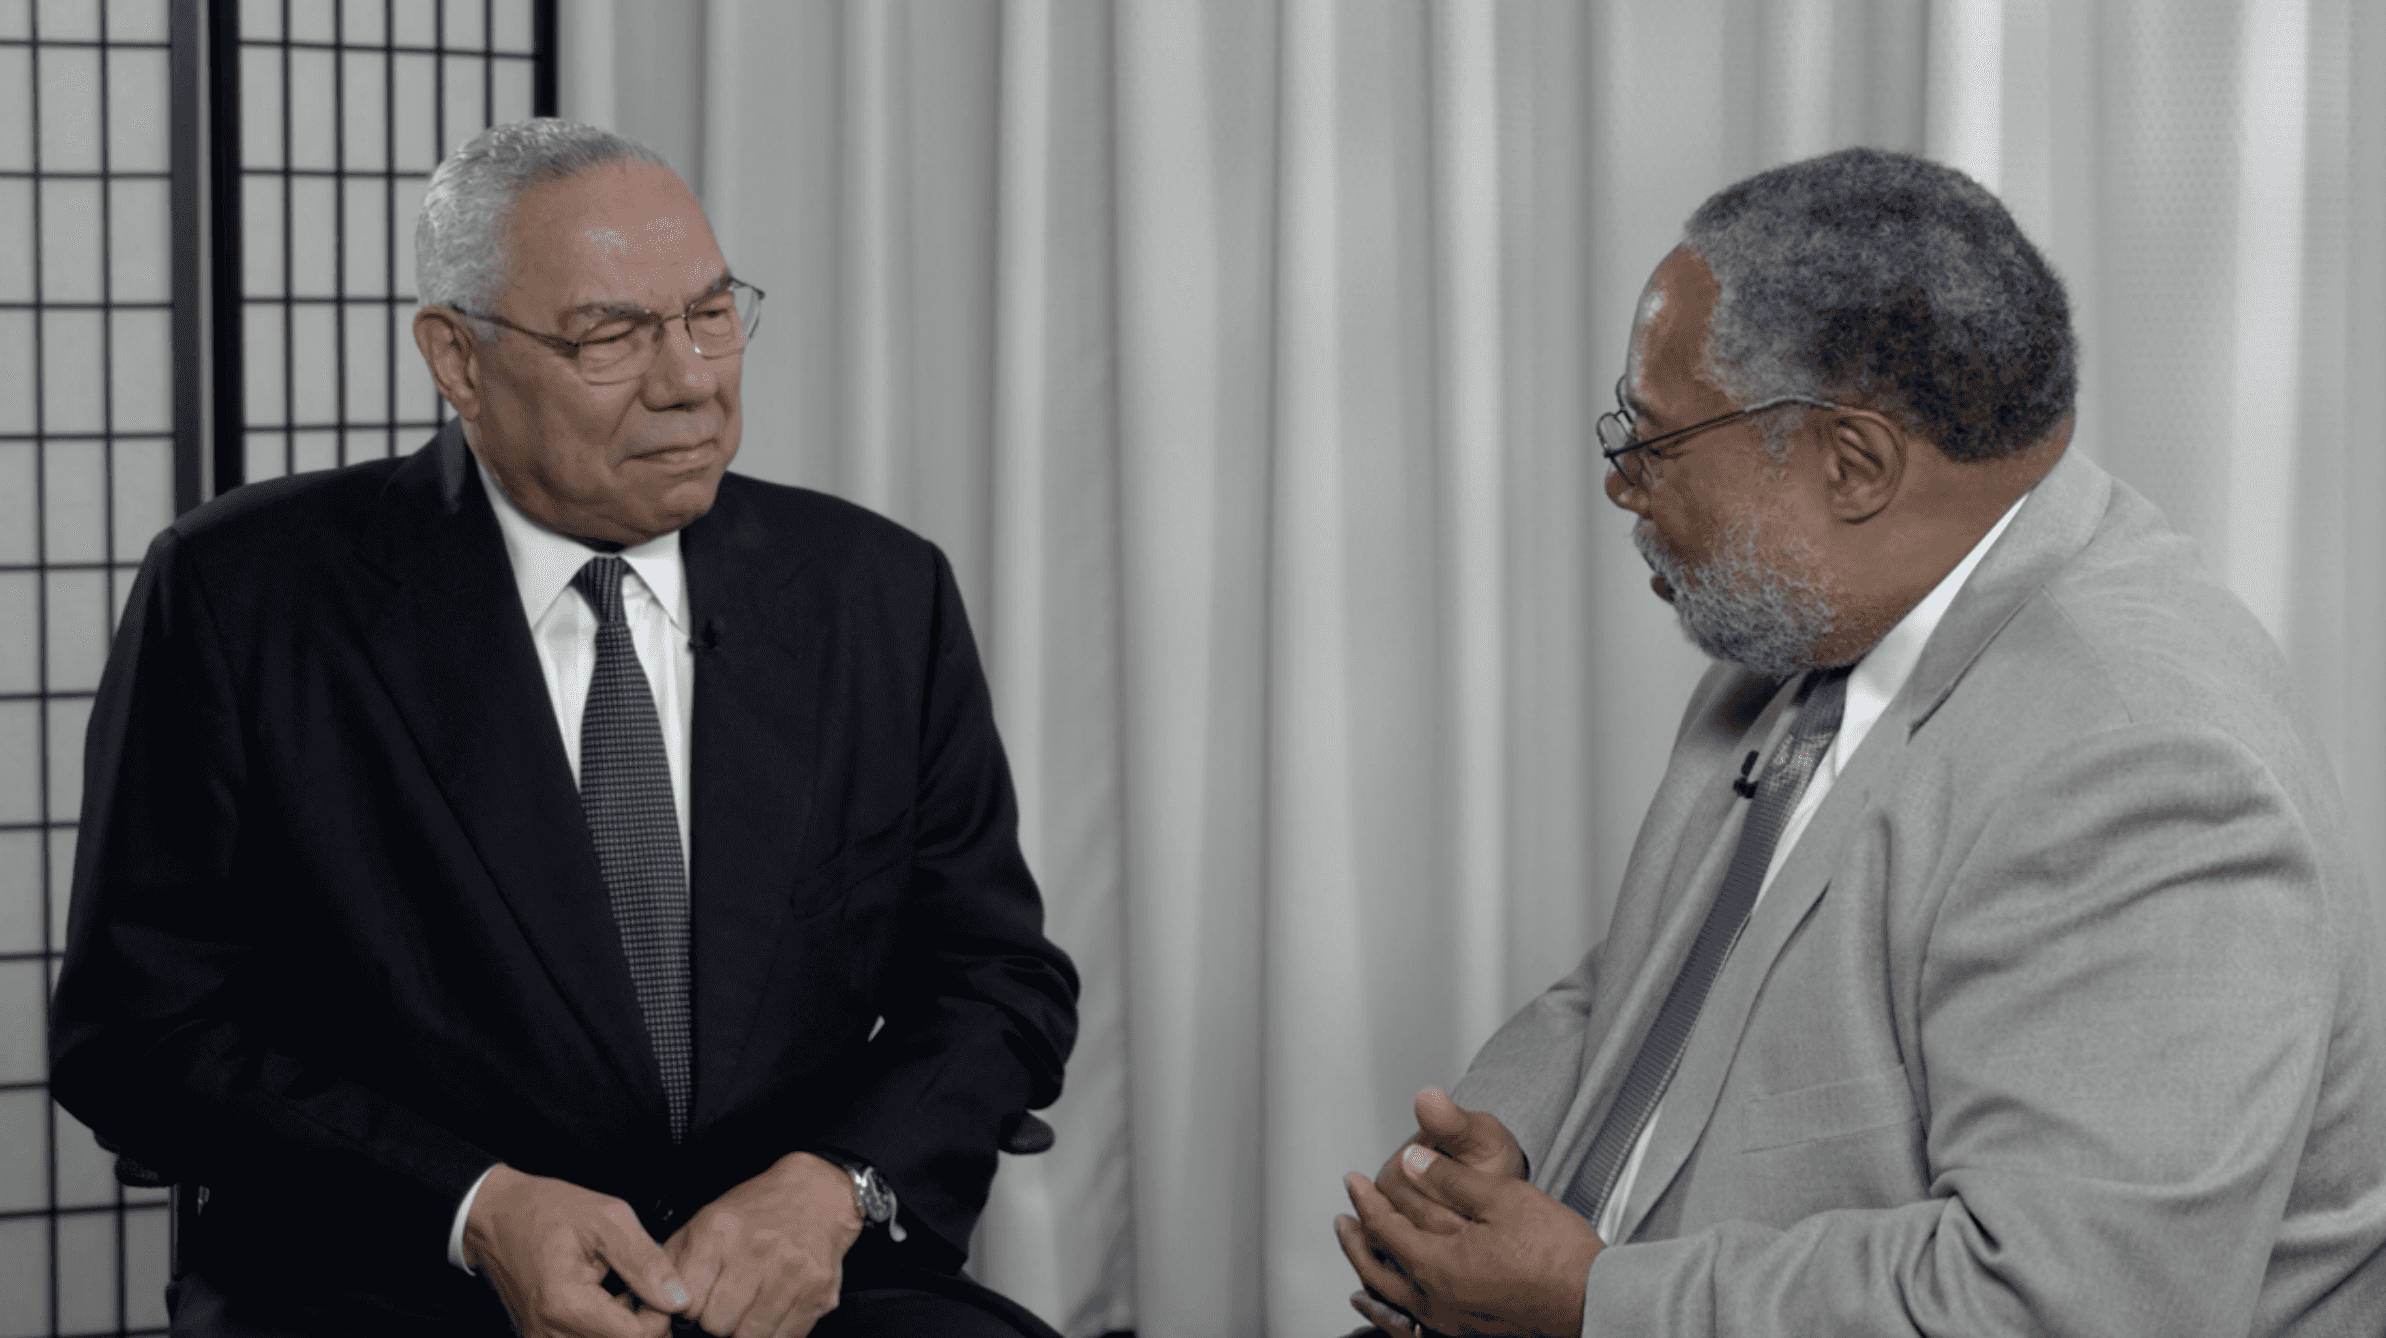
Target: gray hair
point(1887, 281)
point(460, 257)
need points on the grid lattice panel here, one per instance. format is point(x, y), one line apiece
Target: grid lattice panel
point(86, 478)
point(344, 110)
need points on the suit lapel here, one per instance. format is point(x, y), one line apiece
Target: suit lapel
point(764, 640)
point(1689, 1102)
point(1679, 850)
point(454, 651)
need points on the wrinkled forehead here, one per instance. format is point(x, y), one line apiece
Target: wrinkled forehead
point(631, 234)
point(663, 231)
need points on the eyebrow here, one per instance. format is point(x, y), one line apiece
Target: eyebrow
point(718, 285)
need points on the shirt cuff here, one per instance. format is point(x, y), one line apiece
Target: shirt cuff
point(455, 1233)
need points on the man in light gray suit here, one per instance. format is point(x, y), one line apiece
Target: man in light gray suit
point(1991, 960)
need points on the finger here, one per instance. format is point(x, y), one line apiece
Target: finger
point(781, 1297)
point(1410, 1200)
point(605, 1317)
point(1386, 1224)
point(1394, 1240)
point(1383, 1317)
point(1472, 1136)
point(811, 1290)
point(799, 1322)
point(731, 1298)
point(1440, 1120)
point(697, 1256)
point(624, 1246)
point(1449, 1181)
point(836, 1297)
point(1378, 1269)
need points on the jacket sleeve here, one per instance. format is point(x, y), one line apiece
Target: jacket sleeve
point(1527, 1073)
point(981, 1010)
point(154, 1041)
point(2125, 1011)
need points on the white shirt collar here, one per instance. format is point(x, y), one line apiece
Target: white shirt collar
point(1884, 669)
point(545, 562)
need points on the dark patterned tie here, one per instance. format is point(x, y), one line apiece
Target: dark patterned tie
point(625, 790)
point(1777, 791)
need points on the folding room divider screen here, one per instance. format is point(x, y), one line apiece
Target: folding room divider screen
point(207, 212)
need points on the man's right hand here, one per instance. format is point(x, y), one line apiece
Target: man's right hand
point(1474, 1138)
point(546, 1246)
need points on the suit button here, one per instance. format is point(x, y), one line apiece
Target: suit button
point(665, 1215)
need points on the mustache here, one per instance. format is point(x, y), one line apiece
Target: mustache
point(1660, 559)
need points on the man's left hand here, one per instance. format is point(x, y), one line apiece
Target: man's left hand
point(766, 1259)
point(1513, 1261)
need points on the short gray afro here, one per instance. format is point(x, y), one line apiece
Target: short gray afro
point(1891, 282)
point(460, 258)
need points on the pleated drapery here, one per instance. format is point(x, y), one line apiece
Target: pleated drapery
point(1243, 355)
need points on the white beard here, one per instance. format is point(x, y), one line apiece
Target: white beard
point(1740, 608)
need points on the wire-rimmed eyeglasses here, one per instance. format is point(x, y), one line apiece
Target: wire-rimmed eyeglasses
point(620, 342)
point(1624, 451)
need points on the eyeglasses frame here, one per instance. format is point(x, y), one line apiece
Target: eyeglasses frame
point(1622, 416)
point(570, 348)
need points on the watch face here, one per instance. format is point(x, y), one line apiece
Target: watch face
point(878, 1203)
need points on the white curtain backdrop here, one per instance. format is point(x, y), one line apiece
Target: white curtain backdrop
point(1243, 356)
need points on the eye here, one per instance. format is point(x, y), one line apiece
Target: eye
point(609, 331)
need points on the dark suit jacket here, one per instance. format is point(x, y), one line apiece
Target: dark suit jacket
point(338, 937)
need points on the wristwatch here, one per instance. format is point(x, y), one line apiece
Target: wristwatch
point(871, 1194)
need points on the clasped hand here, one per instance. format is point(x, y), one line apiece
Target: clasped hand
point(765, 1260)
point(1450, 1236)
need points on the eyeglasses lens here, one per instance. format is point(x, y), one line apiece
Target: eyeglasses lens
point(717, 327)
point(720, 325)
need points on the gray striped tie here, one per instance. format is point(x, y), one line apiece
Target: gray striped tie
point(625, 791)
point(1777, 791)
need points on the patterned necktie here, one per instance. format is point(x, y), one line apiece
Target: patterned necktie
point(1777, 791)
point(625, 791)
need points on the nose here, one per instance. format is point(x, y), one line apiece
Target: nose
point(1623, 494)
point(680, 375)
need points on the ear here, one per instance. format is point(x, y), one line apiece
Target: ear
point(452, 349)
point(1864, 463)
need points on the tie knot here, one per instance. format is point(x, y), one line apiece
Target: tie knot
point(599, 582)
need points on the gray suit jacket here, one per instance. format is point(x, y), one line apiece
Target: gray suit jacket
point(2064, 1017)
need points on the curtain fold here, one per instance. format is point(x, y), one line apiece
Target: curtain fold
point(1197, 174)
point(1243, 357)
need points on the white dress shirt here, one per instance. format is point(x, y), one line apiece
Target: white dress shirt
point(563, 628)
point(1871, 686)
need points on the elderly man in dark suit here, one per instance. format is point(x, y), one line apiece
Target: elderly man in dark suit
point(1992, 960)
point(550, 857)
